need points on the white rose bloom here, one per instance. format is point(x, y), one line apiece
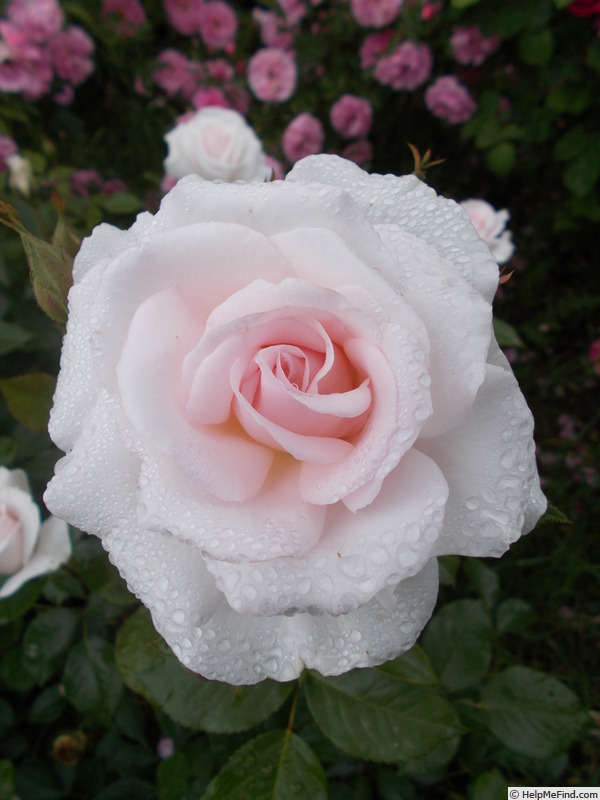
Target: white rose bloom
point(27, 548)
point(217, 144)
point(490, 225)
point(20, 174)
point(279, 403)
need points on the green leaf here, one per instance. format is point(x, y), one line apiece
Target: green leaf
point(275, 766)
point(412, 667)
point(490, 785)
point(532, 712)
point(47, 637)
point(126, 789)
point(448, 566)
point(484, 580)
point(581, 173)
point(12, 337)
point(502, 158)
point(49, 265)
point(8, 450)
point(506, 335)
point(150, 668)
point(17, 604)
point(378, 718)
point(7, 780)
point(554, 516)
point(514, 615)
point(121, 203)
point(172, 777)
point(458, 642)
point(568, 98)
point(91, 680)
point(570, 144)
point(47, 706)
point(29, 398)
point(536, 47)
point(463, 3)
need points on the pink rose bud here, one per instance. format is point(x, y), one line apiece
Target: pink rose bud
point(304, 136)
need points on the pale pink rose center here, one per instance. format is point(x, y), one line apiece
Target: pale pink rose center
point(216, 141)
point(11, 541)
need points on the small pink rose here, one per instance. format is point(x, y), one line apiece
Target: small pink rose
point(272, 75)
point(304, 136)
point(28, 547)
point(351, 116)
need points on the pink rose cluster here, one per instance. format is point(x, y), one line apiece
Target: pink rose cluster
point(8, 148)
point(87, 181)
point(279, 30)
point(448, 99)
point(127, 15)
point(375, 13)
point(206, 83)
point(352, 117)
point(469, 46)
point(214, 20)
point(36, 49)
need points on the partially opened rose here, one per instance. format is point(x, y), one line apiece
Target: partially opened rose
point(215, 143)
point(279, 403)
point(28, 547)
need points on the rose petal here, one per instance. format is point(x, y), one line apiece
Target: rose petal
point(458, 322)
point(139, 272)
point(358, 554)
point(274, 523)
point(489, 463)
point(413, 206)
point(53, 550)
point(151, 391)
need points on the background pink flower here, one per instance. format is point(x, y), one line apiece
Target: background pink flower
point(375, 13)
point(175, 73)
point(450, 100)
point(7, 148)
point(128, 15)
point(359, 151)
point(71, 50)
point(218, 24)
point(211, 96)
point(373, 46)
point(184, 15)
point(272, 75)
point(469, 46)
point(304, 136)
point(351, 116)
point(39, 19)
point(406, 68)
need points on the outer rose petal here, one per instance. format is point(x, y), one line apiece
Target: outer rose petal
point(414, 207)
point(458, 321)
point(358, 555)
point(95, 486)
point(489, 463)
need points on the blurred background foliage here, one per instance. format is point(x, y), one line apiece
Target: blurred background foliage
point(503, 685)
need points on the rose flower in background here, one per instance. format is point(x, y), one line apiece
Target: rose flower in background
point(490, 225)
point(28, 547)
point(215, 143)
point(279, 403)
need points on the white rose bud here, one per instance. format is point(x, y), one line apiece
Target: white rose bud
point(20, 174)
point(490, 225)
point(27, 548)
point(217, 144)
